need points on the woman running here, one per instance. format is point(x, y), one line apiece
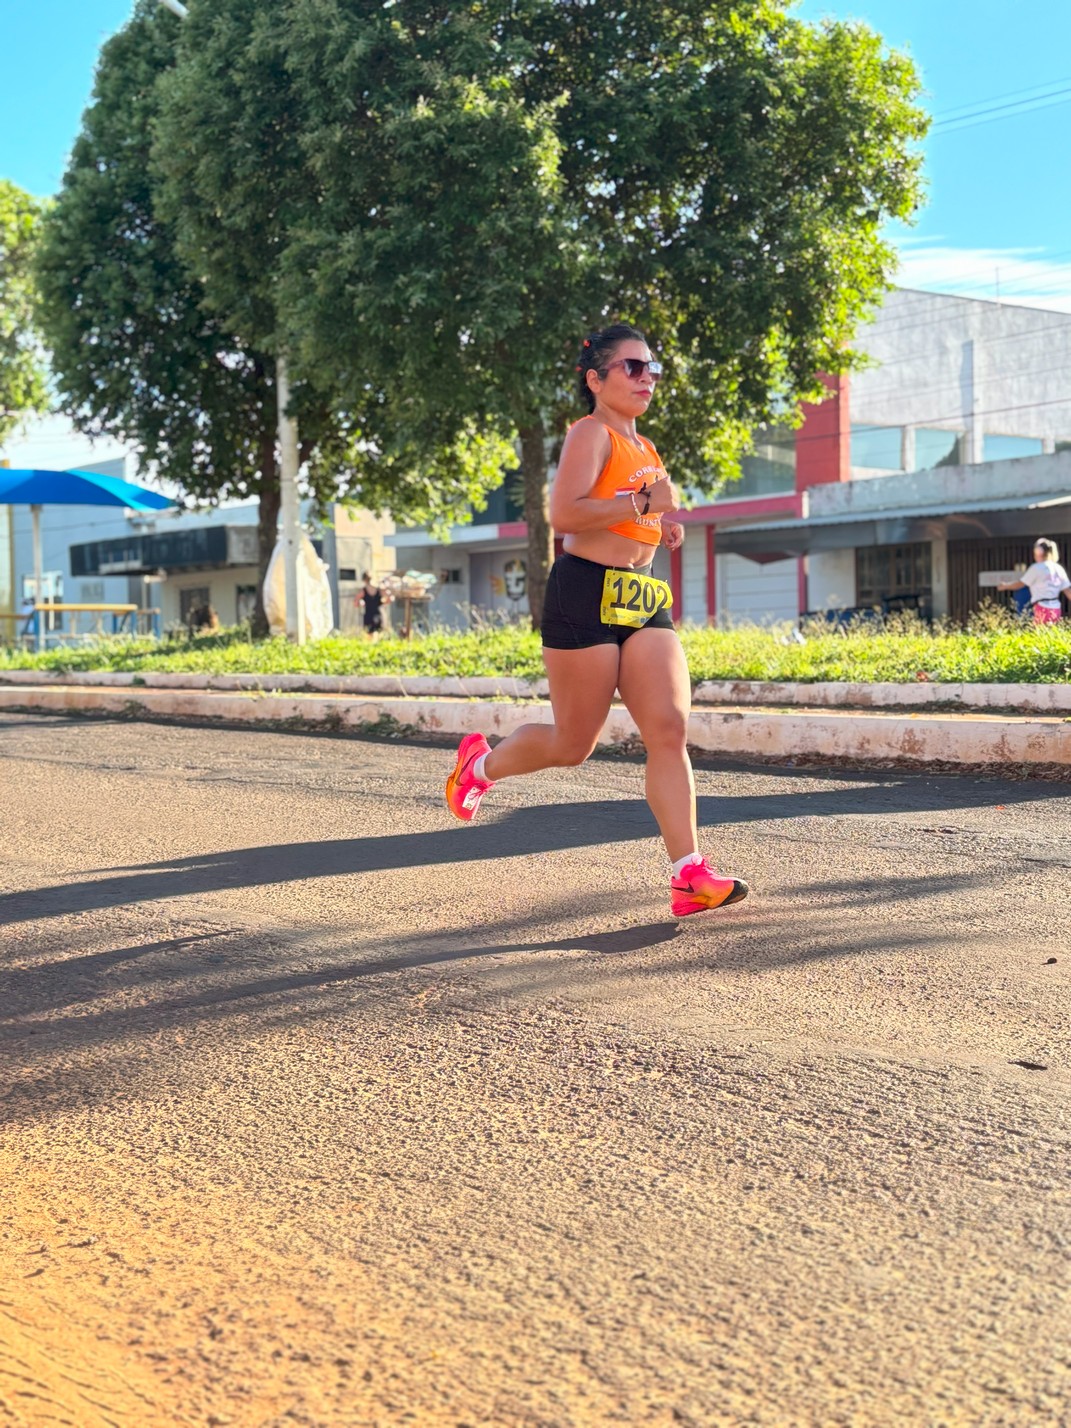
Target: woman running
point(606, 624)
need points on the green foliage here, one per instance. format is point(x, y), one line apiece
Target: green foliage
point(425, 206)
point(134, 351)
point(238, 182)
point(986, 653)
point(485, 182)
point(22, 373)
point(492, 179)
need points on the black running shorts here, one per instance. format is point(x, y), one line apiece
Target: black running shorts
point(571, 608)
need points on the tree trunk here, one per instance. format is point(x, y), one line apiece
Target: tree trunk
point(537, 516)
point(267, 528)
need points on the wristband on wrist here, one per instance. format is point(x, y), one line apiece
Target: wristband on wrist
point(645, 493)
point(635, 507)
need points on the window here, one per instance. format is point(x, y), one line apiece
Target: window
point(888, 572)
point(348, 573)
point(878, 448)
point(769, 470)
point(450, 577)
point(505, 504)
point(193, 600)
point(246, 602)
point(934, 448)
point(1008, 448)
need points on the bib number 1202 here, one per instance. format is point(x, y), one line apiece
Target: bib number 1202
point(631, 599)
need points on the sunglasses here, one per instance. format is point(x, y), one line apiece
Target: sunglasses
point(634, 367)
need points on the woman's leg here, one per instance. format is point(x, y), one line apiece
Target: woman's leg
point(657, 691)
point(582, 685)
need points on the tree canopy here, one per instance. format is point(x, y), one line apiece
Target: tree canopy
point(238, 181)
point(22, 371)
point(495, 179)
point(426, 206)
point(135, 351)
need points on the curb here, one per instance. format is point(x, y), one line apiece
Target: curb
point(1025, 698)
point(947, 738)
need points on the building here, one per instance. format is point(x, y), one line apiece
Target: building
point(184, 562)
point(940, 462)
point(170, 562)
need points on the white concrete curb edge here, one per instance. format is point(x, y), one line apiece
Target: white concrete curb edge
point(1028, 698)
point(945, 738)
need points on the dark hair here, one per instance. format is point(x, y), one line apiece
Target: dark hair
point(1048, 546)
point(597, 352)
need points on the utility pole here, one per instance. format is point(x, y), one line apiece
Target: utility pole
point(291, 506)
point(288, 471)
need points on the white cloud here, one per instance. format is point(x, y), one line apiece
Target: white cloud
point(1022, 277)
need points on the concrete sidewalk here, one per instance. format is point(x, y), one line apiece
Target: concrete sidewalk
point(766, 732)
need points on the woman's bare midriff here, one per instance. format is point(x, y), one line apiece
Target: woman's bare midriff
point(609, 548)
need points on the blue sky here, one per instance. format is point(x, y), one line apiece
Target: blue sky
point(1000, 204)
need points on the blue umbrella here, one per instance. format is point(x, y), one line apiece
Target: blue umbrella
point(70, 488)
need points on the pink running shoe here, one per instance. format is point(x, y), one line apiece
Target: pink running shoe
point(699, 889)
point(463, 789)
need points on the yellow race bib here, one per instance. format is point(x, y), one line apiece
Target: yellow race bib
point(629, 598)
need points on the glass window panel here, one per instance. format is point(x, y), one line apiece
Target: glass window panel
point(769, 470)
point(878, 448)
point(934, 448)
point(1007, 448)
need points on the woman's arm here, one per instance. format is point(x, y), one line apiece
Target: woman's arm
point(572, 509)
point(1013, 585)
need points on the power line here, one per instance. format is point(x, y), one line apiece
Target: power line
point(997, 98)
point(1004, 111)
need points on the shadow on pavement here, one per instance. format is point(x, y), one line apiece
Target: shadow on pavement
point(519, 833)
point(186, 979)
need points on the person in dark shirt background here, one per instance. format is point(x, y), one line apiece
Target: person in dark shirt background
point(372, 599)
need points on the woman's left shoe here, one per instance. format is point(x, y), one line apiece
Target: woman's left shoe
point(700, 889)
point(463, 789)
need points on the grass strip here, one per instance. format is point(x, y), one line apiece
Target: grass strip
point(994, 649)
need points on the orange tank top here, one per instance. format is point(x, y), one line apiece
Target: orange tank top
point(627, 469)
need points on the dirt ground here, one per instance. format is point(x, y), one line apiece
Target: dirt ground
point(317, 1109)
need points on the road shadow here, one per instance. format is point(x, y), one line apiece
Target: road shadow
point(519, 833)
point(75, 1024)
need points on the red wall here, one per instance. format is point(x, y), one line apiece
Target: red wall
point(824, 441)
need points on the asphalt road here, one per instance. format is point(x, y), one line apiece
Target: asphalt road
point(317, 1108)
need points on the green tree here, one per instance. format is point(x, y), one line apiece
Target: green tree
point(490, 180)
point(237, 184)
point(135, 352)
point(22, 370)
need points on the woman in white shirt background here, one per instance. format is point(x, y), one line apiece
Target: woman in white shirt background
point(1046, 580)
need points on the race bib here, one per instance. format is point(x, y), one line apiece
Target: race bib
point(629, 598)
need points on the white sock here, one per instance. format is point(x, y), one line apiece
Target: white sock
point(682, 863)
point(477, 769)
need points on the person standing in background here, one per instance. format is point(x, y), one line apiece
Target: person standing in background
point(1046, 580)
point(372, 599)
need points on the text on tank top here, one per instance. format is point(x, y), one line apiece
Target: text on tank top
point(626, 470)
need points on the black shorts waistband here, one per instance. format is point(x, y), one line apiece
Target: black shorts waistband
point(597, 565)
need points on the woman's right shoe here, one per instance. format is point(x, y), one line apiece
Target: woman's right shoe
point(463, 789)
point(698, 888)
